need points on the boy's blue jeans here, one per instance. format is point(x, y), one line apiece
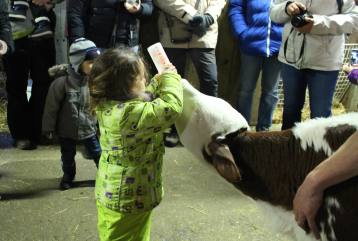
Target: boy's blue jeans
point(321, 86)
point(68, 152)
point(251, 67)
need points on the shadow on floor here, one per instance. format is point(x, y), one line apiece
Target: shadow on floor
point(36, 188)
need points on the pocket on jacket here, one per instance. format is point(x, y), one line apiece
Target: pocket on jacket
point(108, 182)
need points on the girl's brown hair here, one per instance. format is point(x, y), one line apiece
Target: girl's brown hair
point(113, 75)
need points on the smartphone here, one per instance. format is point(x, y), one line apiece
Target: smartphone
point(354, 57)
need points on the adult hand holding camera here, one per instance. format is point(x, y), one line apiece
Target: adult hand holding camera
point(307, 27)
point(132, 6)
point(41, 2)
point(294, 8)
point(200, 24)
point(302, 22)
point(3, 47)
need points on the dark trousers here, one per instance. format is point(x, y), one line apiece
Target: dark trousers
point(32, 58)
point(204, 61)
point(68, 153)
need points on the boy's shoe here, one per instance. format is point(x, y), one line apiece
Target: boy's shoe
point(18, 11)
point(65, 185)
point(66, 182)
point(24, 144)
point(42, 28)
point(171, 139)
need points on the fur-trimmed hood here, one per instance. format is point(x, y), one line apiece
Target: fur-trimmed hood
point(58, 70)
point(62, 70)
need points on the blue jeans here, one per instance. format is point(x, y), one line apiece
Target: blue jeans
point(68, 152)
point(251, 67)
point(321, 85)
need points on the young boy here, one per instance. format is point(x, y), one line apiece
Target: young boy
point(42, 22)
point(67, 109)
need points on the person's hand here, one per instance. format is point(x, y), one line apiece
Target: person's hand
point(200, 24)
point(3, 47)
point(41, 2)
point(305, 206)
point(307, 27)
point(347, 68)
point(132, 6)
point(48, 6)
point(169, 68)
point(49, 135)
point(294, 8)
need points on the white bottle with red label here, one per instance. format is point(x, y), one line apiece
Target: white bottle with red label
point(159, 57)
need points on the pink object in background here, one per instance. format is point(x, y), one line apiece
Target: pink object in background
point(158, 56)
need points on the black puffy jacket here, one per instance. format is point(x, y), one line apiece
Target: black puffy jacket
point(95, 20)
point(5, 27)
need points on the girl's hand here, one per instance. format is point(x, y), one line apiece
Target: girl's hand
point(170, 68)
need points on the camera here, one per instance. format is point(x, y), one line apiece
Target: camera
point(298, 20)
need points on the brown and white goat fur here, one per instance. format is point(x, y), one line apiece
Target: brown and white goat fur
point(272, 165)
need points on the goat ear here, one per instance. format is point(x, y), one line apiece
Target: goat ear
point(234, 134)
point(224, 162)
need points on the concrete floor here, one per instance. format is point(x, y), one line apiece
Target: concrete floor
point(198, 205)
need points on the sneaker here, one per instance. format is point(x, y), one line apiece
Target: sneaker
point(171, 139)
point(42, 28)
point(262, 128)
point(18, 11)
point(66, 183)
point(25, 145)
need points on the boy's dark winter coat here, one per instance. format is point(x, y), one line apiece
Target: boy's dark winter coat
point(67, 106)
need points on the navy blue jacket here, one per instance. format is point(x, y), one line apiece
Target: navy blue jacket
point(252, 26)
point(94, 20)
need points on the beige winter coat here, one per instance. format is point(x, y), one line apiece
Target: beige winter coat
point(184, 11)
point(324, 45)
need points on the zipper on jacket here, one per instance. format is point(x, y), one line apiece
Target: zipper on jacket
point(268, 38)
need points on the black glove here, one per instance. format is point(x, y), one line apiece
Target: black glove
point(200, 24)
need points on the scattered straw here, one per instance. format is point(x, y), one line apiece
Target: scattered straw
point(77, 198)
point(337, 109)
point(3, 121)
point(74, 231)
point(62, 211)
point(199, 211)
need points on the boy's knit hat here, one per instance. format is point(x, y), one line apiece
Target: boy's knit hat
point(80, 50)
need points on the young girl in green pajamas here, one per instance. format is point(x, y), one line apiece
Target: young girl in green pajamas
point(132, 118)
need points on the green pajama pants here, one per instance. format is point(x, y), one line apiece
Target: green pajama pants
point(117, 226)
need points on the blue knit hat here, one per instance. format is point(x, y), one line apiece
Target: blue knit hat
point(80, 50)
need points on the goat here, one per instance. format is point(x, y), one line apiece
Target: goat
point(272, 165)
point(202, 117)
